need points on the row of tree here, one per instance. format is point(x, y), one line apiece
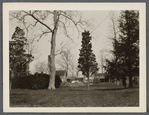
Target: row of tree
point(20, 59)
point(51, 22)
point(125, 48)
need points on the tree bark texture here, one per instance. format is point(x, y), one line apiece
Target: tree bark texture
point(130, 79)
point(130, 72)
point(11, 77)
point(88, 83)
point(52, 55)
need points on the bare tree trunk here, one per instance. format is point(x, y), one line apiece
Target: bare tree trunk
point(10, 85)
point(88, 84)
point(130, 78)
point(130, 71)
point(11, 77)
point(10, 82)
point(27, 70)
point(52, 61)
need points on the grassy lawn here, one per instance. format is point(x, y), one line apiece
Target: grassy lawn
point(102, 95)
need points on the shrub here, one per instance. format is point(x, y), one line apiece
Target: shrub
point(37, 81)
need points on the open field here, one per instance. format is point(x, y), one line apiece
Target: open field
point(102, 95)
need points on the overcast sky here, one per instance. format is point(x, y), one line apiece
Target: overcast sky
point(99, 29)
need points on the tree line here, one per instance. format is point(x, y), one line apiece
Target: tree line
point(59, 20)
point(125, 46)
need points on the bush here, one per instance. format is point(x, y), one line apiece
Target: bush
point(37, 81)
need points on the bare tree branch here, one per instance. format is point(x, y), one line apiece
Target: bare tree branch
point(40, 16)
point(66, 61)
point(114, 27)
point(41, 67)
point(71, 19)
point(43, 33)
point(66, 33)
point(38, 20)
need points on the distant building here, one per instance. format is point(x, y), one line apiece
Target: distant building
point(100, 76)
point(70, 79)
point(135, 79)
point(62, 75)
point(90, 79)
point(80, 79)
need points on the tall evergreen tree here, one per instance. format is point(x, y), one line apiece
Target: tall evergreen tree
point(18, 58)
point(125, 48)
point(87, 60)
point(129, 39)
point(115, 68)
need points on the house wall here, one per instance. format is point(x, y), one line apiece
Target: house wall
point(100, 76)
point(63, 78)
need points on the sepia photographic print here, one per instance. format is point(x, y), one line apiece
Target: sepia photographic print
point(74, 57)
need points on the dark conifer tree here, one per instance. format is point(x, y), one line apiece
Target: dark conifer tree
point(18, 57)
point(87, 60)
point(125, 49)
point(129, 39)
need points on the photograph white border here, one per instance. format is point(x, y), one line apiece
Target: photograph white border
point(75, 6)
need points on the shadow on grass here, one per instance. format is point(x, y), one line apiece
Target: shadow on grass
point(106, 89)
point(77, 90)
point(112, 89)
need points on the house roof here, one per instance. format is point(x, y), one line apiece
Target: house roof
point(100, 74)
point(80, 78)
point(72, 78)
point(60, 72)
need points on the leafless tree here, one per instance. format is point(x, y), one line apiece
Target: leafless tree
point(66, 62)
point(61, 19)
point(115, 32)
point(114, 25)
point(41, 67)
point(103, 54)
point(72, 68)
point(32, 49)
